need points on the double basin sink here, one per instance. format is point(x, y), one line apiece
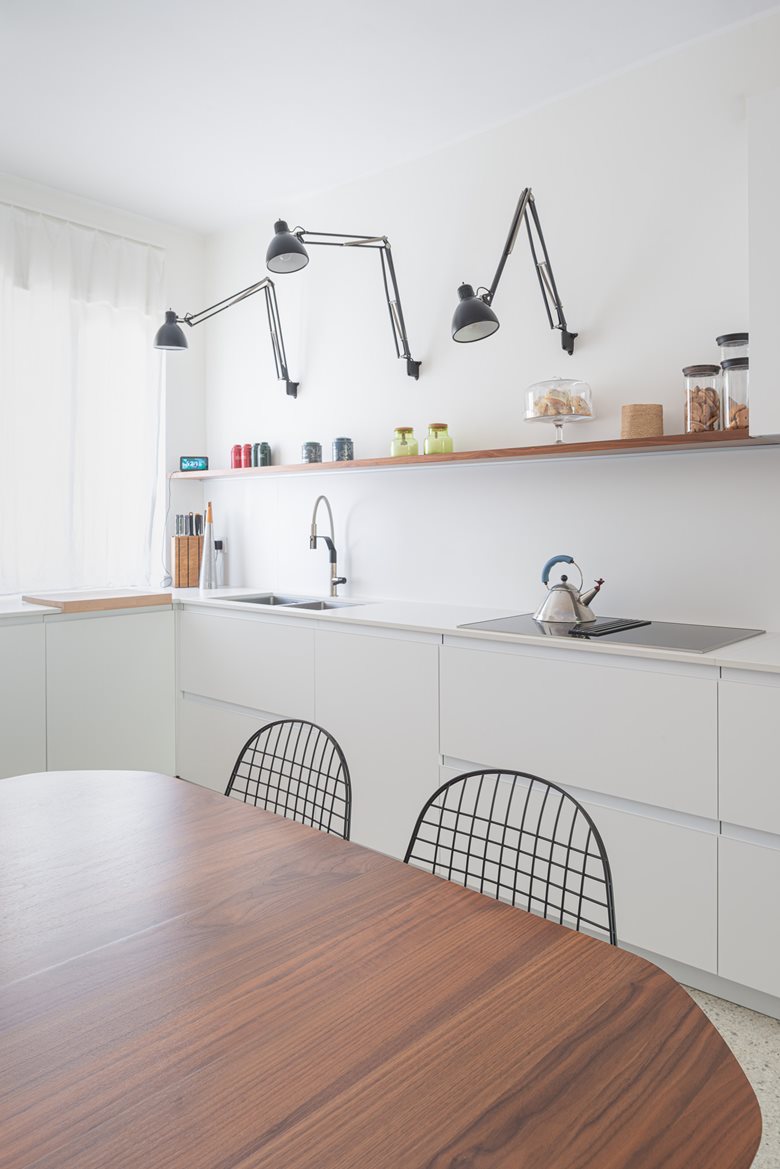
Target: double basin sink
point(292, 602)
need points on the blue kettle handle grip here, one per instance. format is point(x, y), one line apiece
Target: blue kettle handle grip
point(553, 561)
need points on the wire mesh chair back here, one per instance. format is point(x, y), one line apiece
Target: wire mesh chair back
point(298, 770)
point(520, 839)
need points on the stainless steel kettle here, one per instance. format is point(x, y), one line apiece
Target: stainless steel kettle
point(565, 604)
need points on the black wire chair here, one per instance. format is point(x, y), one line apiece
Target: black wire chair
point(298, 770)
point(520, 839)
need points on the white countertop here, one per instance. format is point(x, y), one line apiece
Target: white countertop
point(760, 653)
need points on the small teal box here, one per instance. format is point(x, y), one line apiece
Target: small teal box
point(193, 463)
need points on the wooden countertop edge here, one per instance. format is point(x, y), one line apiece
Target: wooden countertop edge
point(99, 604)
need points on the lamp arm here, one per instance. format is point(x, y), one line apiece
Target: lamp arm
point(547, 283)
point(332, 239)
point(517, 218)
point(544, 271)
point(266, 285)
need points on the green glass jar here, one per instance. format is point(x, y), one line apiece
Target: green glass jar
point(438, 441)
point(404, 442)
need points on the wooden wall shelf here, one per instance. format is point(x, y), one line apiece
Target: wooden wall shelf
point(668, 444)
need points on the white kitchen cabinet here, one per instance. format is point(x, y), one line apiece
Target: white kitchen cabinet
point(749, 938)
point(22, 698)
point(246, 660)
point(638, 731)
point(664, 877)
point(764, 260)
point(378, 695)
point(110, 691)
point(209, 737)
point(750, 750)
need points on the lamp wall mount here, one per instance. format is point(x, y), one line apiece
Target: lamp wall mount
point(474, 317)
point(171, 337)
point(287, 253)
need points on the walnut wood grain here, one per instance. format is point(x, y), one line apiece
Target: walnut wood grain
point(195, 984)
point(664, 444)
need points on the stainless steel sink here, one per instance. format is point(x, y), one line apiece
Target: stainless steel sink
point(324, 605)
point(270, 599)
point(291, 601)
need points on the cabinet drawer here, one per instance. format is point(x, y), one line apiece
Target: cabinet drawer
point(664, 877)
point(643, 735)
point(749, 938)
point(749, 717)
point(209, 738)
point(665, 881)
point(265, 665)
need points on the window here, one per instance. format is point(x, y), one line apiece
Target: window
point(81, 392)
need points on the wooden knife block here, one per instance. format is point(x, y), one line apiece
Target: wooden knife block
point(186, 553)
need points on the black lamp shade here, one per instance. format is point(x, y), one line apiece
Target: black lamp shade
point(285, 252)
point(473, 319)
point(170, 335)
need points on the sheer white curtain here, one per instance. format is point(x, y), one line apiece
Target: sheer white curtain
point(80, 405)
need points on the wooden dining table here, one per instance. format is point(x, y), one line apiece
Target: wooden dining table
point(187, 982)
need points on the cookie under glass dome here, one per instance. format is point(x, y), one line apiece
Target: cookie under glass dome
point(558, 401)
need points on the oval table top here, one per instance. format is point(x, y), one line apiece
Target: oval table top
point(187, 982)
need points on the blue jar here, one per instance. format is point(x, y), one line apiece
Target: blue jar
point(343, 450)
point(311, 452)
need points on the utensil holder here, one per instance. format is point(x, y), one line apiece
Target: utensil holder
point(186, 554)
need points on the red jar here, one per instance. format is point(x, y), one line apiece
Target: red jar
point(246, 455)
point(235, 456)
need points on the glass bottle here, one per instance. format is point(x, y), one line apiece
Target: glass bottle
point(438, 441)
point(404, 442)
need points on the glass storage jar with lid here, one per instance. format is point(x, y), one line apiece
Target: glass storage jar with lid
point(438, 441)
point(404, 442)
point(736, 413)
point(732, 345)
point(702, 398)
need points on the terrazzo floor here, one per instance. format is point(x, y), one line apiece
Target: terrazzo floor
point(755, 1041)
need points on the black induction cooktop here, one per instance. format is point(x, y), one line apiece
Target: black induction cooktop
point(698, 639)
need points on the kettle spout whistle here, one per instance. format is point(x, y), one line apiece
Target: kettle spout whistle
point(586, 598)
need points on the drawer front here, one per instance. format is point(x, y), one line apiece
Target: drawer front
point(209, 738)
point(636, 734)
point(749, 937)
point(749, 718)
point(665, 881)
point(249, 662)
point(664, 877)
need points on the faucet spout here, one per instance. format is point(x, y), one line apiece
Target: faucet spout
point(335, 579)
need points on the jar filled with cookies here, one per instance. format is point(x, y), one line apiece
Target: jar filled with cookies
point(736, 414)
point(558, 401)
point(702, 398)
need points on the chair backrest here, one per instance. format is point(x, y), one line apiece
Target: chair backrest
point(521, 839)
point(298, 770)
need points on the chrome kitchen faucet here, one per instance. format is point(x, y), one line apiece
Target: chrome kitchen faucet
point(335, 579)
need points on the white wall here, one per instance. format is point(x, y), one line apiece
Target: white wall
point(641, 184)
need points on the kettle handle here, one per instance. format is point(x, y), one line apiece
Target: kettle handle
point(550, 564)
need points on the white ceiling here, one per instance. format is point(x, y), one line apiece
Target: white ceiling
point(200, 111)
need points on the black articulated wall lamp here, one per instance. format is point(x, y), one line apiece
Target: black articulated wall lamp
point(287, 253)
point(171, 335)
point(474, 317)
